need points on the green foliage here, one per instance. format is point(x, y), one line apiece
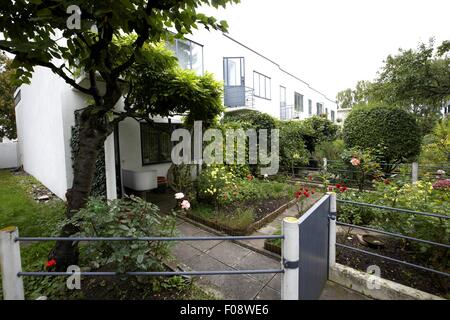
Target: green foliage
point(221, 185)
point(420, 196)
point(436, 145)
point(367, 169)
point(320, 129)
point(124, 218)
point(359, 96)
point(160, 87)
point(293, 151)
point(7, 105)
point(391, 132)
point(331, 150)
point(238, 220)
point(257, 120)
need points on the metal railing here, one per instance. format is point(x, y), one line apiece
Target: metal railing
point(392, 234)
point(12, 274)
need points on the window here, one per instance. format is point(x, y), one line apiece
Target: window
point(262, 85)
point(332, 115)
point(189, 54)
point(156, 146)
point(234, 71)
point(283, 115)
point(319, 108)
point(310, 107)
point(298, 102)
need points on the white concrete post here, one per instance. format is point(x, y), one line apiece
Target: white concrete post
point(290, 255)
point(325, 164)
point(415, 172)
point(10, 264)
point(110, 168)
point(332, 230)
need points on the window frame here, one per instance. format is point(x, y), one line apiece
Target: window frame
point(260, 75)
point(310, 104)
point(226, 74)
point(301, 99)
point(159, 126)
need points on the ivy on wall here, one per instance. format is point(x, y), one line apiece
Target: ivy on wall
point(99, 183)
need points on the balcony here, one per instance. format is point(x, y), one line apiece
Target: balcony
point(288, 112)
point(239, 97)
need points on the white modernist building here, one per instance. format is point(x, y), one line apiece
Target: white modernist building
point(137, 154)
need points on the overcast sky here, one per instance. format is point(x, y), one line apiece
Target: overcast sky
point(331, 44)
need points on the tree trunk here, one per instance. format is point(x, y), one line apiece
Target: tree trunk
point(92, 135)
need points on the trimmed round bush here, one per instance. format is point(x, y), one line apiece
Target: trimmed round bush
point(391, 132)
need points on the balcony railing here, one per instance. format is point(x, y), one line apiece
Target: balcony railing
point(239, 96)
point(288, 112)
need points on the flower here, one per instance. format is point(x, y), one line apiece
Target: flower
point(249, 177)
point(51, 263)
point(330, 188)
point(440, 172)
point(185, 205)
point(338, 186)
point(442, 185)
point(179, 195)
point(386, 181)
point(266, 176)
point(309, 178)
point(313, 191)
point(355, 162)
point(306, 194)
point(298, 194)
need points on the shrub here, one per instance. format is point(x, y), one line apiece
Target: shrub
point(133, 218)
point(331, 150)
point(293, 150)
point(391, 132)
point(436, 146)
point(256, 119)
point(320, 129)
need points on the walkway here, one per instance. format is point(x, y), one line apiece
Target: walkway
point(226, 255)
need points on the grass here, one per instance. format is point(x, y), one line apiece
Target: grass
point(18, 208)
point(238, 220)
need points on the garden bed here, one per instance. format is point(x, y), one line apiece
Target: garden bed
point(409, 276)
point(241, 218)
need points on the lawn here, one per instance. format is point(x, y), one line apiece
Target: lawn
point(18, 208)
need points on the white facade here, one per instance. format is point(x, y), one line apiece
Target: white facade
point(218, 46)
point(45, 113)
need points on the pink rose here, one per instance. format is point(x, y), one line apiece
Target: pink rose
point(185, 205)
point(355, 162)
point(179, 195)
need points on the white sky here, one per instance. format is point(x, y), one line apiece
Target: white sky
point(331, 44)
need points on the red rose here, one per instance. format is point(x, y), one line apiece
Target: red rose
point(249, 177)
point(298, 194)
point(338, 186)
point(51, 263)
point(306, 194)
point(309, 178)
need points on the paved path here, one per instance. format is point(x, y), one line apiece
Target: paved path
point(226, 255)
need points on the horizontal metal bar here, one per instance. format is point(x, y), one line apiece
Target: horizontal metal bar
point(39, 239)
point(150, 274)
point(392, 259)
point(393, 234)
point(434, 215)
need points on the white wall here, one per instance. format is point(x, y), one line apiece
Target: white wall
point(218, 46)
point(44, 120)
point(8, 155)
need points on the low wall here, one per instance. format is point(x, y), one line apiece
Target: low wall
point(386, 289)
point(8, 155)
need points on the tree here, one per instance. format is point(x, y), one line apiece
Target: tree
point(95, 39)
point(390, 133)
point(417, 81)
point(359, 96)
point(7, 88)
